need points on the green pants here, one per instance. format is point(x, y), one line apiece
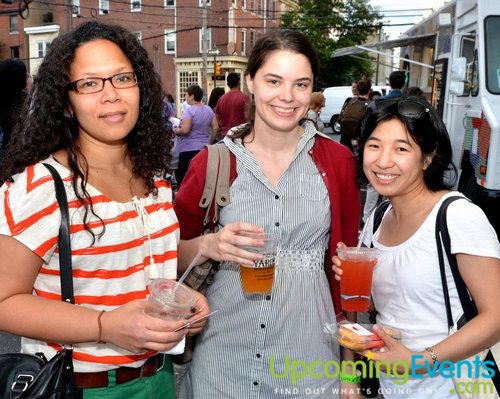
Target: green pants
point(159, 386)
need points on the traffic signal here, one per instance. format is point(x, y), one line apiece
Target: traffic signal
point(217, 69)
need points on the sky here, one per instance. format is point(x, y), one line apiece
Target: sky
point(401, 12)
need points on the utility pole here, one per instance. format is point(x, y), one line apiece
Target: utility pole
point(204, 49)
point(69, 15)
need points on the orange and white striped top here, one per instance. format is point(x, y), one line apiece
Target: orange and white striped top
point(110, 273)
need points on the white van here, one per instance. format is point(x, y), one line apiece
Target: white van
point(335, 98)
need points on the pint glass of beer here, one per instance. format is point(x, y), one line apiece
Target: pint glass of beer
point(259, 278)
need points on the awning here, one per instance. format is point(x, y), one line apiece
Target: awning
point(388, 44)
point(401, 42)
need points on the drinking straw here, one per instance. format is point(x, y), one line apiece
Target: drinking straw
point(362, 236)
point(191, 265)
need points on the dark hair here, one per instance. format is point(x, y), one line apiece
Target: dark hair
point(397, 79)
point(195, 91)
point(233, 80)
point(13, 76)
point(373, 94)
point(427, 130)
point(216, 93)
point(364, 86)
point(415, 91)
point(281, 39)
point(49, 126)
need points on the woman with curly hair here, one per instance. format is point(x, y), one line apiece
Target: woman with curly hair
point(95, 116)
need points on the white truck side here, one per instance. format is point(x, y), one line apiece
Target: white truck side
point(467, 93)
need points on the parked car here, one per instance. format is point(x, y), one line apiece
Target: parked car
point(335, 98)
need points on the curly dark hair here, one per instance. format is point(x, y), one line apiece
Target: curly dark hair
point(49, 126)
point(280, 39)
point(425, 128)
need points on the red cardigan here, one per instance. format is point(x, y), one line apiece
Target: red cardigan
point(335, 163)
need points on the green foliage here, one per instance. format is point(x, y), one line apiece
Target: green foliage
point(332, 24)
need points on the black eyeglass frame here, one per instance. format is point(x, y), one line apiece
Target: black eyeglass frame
point(406, 107)
point(73, 85)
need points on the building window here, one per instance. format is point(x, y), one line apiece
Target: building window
point(207, 2)
point(76, 8)
point(233, 2)
point(243, 4)
point(103, 7)
point(14, 52)
point(42, 49)
point(135, 5)
point(243, 42)
point(252, 5)
point(274, 15)
point(252, 39)
point(170, 40)
point(186, 79)
point(208, 40)
point(169, 3)
point(13, 27)
point(138, 36)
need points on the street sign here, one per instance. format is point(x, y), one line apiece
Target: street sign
point(218, 77)
point(214, 51)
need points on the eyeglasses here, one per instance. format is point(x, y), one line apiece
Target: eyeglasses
point(406, 107)
point(93, 85)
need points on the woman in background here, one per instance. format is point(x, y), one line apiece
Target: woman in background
point(197, 129)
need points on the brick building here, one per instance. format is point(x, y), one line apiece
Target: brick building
point(170, 30)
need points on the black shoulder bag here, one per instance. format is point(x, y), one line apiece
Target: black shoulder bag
point(468, 305)
point(24, 376)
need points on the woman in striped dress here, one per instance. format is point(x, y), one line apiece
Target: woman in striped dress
point(293, 182)
point(95, 116)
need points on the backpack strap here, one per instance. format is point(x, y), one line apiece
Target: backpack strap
point(216, 184)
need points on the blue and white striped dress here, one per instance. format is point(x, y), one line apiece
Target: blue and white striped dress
point(247, 348)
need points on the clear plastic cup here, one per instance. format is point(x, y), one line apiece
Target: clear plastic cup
point(170, 300)
point(356, 282)
point(259, 278)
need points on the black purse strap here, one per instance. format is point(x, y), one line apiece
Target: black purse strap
point(64, 242)
point(468, 304)
point(443, 240)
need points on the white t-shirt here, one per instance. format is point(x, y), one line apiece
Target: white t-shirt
point(407, 289)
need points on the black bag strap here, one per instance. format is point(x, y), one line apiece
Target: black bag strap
point(379, 215)
point(64, 242)
point(443, 241)
point(468, 305)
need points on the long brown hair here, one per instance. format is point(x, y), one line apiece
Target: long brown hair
point(282, 39)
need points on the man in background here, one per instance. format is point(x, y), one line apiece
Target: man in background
point(396, 81)
point(231, 108)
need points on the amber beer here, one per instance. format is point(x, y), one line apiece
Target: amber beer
point(259, 278)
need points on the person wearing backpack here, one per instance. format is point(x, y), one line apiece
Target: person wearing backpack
point(405, 153)
point(352, 113)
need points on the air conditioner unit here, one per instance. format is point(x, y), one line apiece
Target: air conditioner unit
point(48, 17)
point(105, 11)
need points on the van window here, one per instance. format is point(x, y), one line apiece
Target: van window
point(492, 38)
point(467, 50)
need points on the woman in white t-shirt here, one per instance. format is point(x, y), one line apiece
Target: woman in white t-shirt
point(405, 153)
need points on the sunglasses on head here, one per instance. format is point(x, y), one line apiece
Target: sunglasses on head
point(406, 107)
